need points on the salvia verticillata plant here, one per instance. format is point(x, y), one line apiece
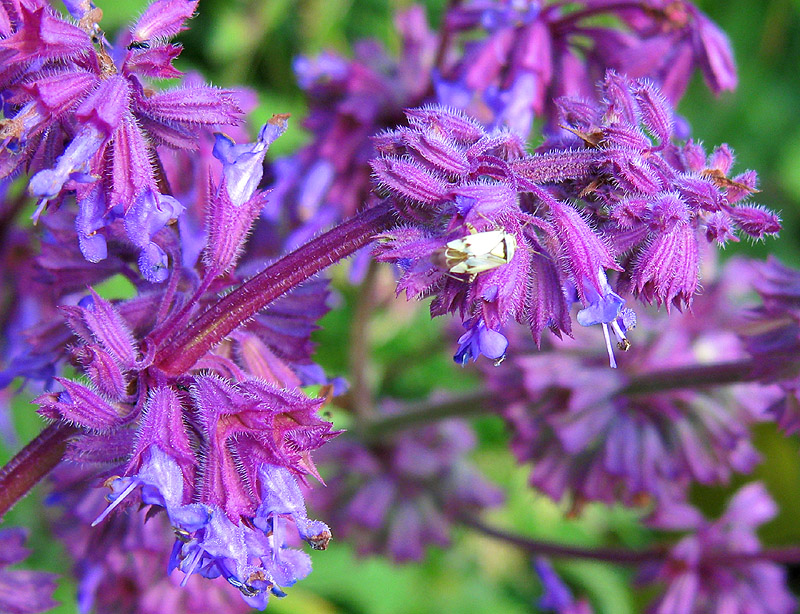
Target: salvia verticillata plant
point(190, 453)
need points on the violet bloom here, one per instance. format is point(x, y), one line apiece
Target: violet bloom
point(350, 100)
point(22, 591)
point(591, 439)
point(520, 56)
point(497, 235)
point(398, 496)
point(715, 569)
point(84, 120)
point(220, 449)
point(772, 336)
point(119, 566)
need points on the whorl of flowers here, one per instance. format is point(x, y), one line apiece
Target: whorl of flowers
point(772, 336)
point(496, 234)
point(518, 57)
point(714, 568)
point(82, 120)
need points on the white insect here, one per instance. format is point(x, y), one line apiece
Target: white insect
point(479, 251)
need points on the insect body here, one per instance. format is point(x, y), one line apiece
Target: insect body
point(479, 251)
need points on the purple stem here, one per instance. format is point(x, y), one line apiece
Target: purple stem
point(32, 463)
point(181, 352)
point(625, 556)
point(692, 376)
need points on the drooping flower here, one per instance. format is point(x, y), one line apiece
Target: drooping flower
point(716, 567)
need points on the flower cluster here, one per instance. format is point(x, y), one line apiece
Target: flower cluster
point(772, 336)
point(221, 447)
point(192, 397)
point(119, 565)
point(521, 56)
point(624, 436)
point(82, 120)
point(498, 235)
point(716, 566)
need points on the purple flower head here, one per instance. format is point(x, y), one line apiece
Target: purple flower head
point(119, 565)
point(82, 119)
point(600, 435)
point(497, 235)
point(349, 101)
point(22, 591)
point(772, 336)
point(518, 57)
point(396, 497)
point(219, 448)
point(222, 525)
point(713, 568)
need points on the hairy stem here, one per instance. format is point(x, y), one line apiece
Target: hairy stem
point(181, 352)
point(418, 414)
point(32, 463)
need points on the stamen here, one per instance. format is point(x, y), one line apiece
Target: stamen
point(116, 502)
point(611, 360)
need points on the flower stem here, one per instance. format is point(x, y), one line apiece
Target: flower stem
point(359, 350)
point(622, 556)
point(32, 463)
point(625, 556)
point(220, 319)
point(467, 404)
point(693, 376)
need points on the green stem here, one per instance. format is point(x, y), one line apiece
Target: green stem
point(622, 556)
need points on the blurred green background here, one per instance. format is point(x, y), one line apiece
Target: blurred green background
point(238, 42)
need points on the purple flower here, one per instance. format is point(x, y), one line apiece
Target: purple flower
point(496, 235)
point(772, 336)
point(119, 566)
point(350, 100)
point(556, 596)
point(21, 591)
point(591, 436)
point(67, 86)
point(518, 57)
point(715, 567)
